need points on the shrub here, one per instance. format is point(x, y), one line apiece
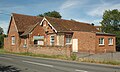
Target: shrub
point(73, 56)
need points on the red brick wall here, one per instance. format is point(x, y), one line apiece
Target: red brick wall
point(6, 44)
point(86, 41)
point(105, 47)
point(89, 42)
point(47, 27)
point(12, 32)
point(38, 31)
point(51, 50)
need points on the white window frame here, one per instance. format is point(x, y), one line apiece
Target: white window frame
point(110, 41)
point(51, 40)
point(101, 43)
point(25, 43)
point(13, 40)
point(70, 39)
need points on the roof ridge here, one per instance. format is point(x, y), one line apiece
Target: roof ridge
point(26, 15)
point(52, 18)
point(68, 20)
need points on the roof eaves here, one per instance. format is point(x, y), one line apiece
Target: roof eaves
point(15, 22)
point(12, 17)
point(102, 33)
point(30, 30)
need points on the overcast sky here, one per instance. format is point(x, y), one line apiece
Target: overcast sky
point(89, 11)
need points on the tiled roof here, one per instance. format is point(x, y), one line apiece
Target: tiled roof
point(62, 25)
point(24, 21)
point(28, 30)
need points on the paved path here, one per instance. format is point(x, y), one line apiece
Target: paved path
point(13, 63)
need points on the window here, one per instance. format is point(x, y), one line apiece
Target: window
point(35, 42)
point(13, 40)
point(68, 39)
point(25, 43)
point(38, 40)
point(52, 40)
point(110, 41)
point(101, 41)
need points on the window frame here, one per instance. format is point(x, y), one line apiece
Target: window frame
point(101, 43)
point(52, 43)
point(70, 39)
point(25, 43)
point(111, 39)
point(13, 40)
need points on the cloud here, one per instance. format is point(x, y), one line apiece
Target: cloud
point(72, 3)
point(68, 4)
point(99, 9)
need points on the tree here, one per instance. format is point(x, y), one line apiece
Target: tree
point(1, 30)
point(1, 37)
point(54, 14)
point(111, 23)
point(1, 41)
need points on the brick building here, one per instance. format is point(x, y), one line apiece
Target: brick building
point(27, 33)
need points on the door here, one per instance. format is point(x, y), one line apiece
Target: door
point(75, 45)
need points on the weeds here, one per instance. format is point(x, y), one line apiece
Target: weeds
point(112, 62)
point(73, 56)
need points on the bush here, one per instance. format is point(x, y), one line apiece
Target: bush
point(1, 41)
point(73, 56)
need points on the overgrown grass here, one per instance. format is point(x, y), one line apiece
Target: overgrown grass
point(43, 55)
point(72, 57)
point(111, 62)
point(2, 51)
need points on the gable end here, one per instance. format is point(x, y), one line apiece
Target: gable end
point(12, 19)
point(49, 24)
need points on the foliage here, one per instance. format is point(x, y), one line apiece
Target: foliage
point(1, 30)
point(73, 56)
point(2, 51)
point(1, 41)
point(1, 37)
point(54, 14)
point(111, 23)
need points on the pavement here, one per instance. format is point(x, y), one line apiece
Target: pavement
point(14, 63)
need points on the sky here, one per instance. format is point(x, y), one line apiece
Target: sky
point(88, 11)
